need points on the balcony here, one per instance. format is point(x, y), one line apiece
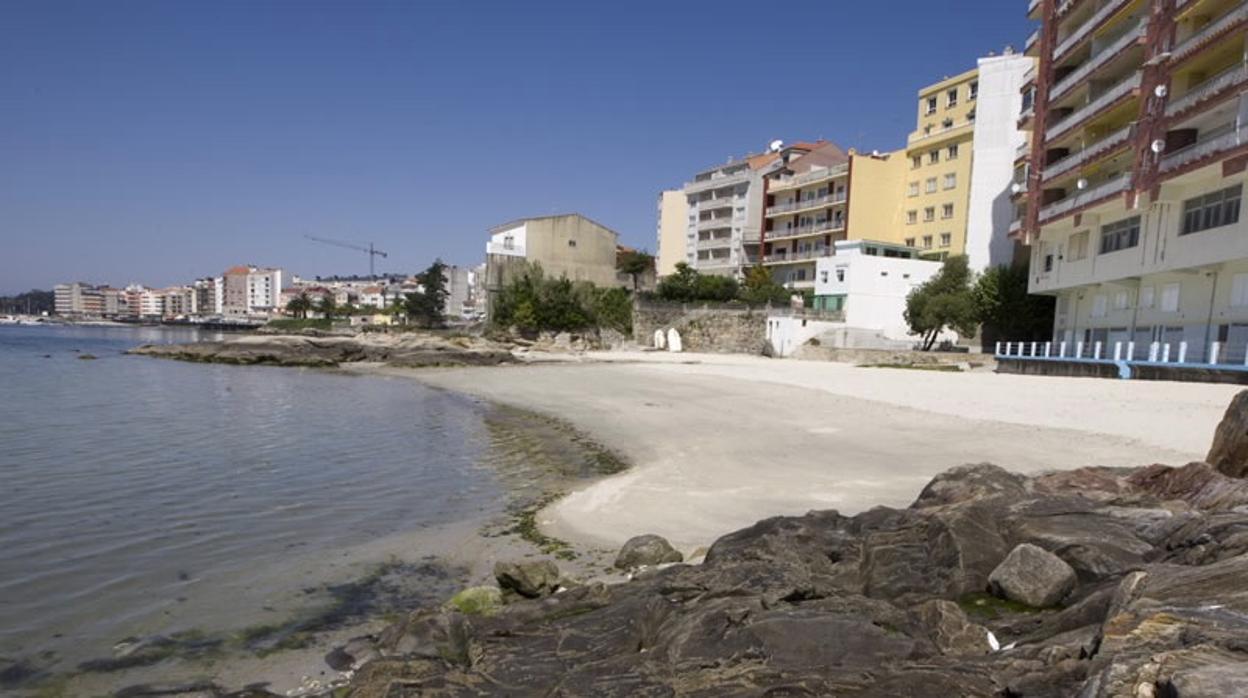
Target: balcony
point(714, 243)
point(1032, 6)
point(1089, 196)
point(717, 180)
point(1088, 154)
point(829, 226)
point(1023, 150)
point(504, 248)
point(1234, 76)
point(815, 175)
point(1210, 32)
point(1031, 40)
point(1102, 57)
point(1016, 226)
point(791, 257)
point(714, 223)
point(1077, 36)
point(722, 202)
point(951, 132)
point(1222, 141)
point(1106, 99)
point(804, 204)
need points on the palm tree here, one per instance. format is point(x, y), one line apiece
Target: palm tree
point(299, 305)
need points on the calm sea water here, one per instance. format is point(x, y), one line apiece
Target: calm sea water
point(146, 496)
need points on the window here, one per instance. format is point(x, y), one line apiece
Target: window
point(1099, 306)
point(1079, 246)
point(909, 242)
point(1122, 235)
point(930, 185)
point(946, 124)
point(840, 274)
point(953, 152)
point(914, 189)
point(912, 217)
point(1170, 298)
point(951, 180)
point(1146, 297)
point(946, 211)
point(571, 243)
point(927, 242)
point(973, 93)
point(929, 213)
point(1211, 210)
point(1122, 300)
point(933, 157)
point(509, 242)
point(823, 276)
point(931, 105)
point(951, 98)
point(916, 162)
point(946, 239)
point(1239, 291)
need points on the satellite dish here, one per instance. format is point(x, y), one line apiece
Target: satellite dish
point(1081, 184)
point(776, 145)
point(1161, 90)
point(1016, 187)
point(1158, 145)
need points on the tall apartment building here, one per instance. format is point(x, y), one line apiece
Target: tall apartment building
point(209, 295)
point(806, 212)
point(1139, 158)
point(247, 290)
point(938, 185)
point(673, 212)
point(724, 214)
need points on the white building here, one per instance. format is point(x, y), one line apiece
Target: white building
point(997, 143)
point(264, 290)
point(866, 283)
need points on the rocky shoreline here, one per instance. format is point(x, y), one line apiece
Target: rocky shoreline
point(408, 350)
point(1089, 582)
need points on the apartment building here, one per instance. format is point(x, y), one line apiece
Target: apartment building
point(939, 151)
point(807, 202)
point(209, 295)
point(673, 211)
point(724, 210)
point(1139, 156)
point(250, 290)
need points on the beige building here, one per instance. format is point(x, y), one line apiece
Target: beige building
point(673, 225)
point(569, 246)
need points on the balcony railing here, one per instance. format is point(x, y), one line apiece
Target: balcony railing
point(1031, 40)
point(1015, 226)
point(1031, 6)
point(1088, 153)
point(800, 230)
point(941, 132)
point(711, 243)
point(1205, 148)
point(1189, 45)
point(713, 223)
point(1023, 150)
point(1101, 58)
point(803, 256)
point(1106, 98)
point(814, 175)
point(1078, 35)
point(1083, 198)
point(717, 180)
point(791, 206)
point(721, 202)
point(1227, 79)
point(504, 248)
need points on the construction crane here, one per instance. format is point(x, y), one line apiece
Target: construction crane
point(372, 252)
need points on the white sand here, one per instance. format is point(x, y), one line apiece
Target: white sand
point(718, 442)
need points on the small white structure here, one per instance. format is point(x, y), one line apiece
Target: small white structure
point(660, 339)
point(673, 341)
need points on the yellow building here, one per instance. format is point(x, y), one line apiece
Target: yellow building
point(673, 215)
point(937, 188)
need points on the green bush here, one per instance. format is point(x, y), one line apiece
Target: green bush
point(533, 303)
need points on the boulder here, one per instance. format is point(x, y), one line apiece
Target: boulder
point(646, 550)
point(1229, 453)
point(951, 631)
point(478, 601)
point(1033, 576)
point(528, 579)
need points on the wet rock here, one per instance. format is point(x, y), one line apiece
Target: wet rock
point(405, 350)
point(528, 579)
point(1229, 452)
point(1033, 576)
point(647, 550)
point(478, 601)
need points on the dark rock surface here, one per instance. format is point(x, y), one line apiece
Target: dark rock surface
point(888, 603)
point(403, 350)
point(1033, 576)
point(646, 551)
point(528, 579)
point(1229, 452)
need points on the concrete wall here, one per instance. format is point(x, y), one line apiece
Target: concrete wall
point(673, 231)
point(996, 142)
point(703, 328)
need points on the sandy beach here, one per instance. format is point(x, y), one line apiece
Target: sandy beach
point(718, 442)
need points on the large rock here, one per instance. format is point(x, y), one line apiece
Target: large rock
point(646, 551)
point(1229, 453)
point(1033, 576)
point(528, 579)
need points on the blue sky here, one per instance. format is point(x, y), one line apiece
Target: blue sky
point(156, 142)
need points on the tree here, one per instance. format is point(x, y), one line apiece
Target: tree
point(944, 301)
point(427, 307)
point(299, 305)
point(634, 264)
point(679, 286)
point(327, 306)
point(759, 288)
point(1004, 307)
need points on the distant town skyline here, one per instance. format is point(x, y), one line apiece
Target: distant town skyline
point(156, 142)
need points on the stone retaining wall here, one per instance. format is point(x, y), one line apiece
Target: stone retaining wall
point(703, 328)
